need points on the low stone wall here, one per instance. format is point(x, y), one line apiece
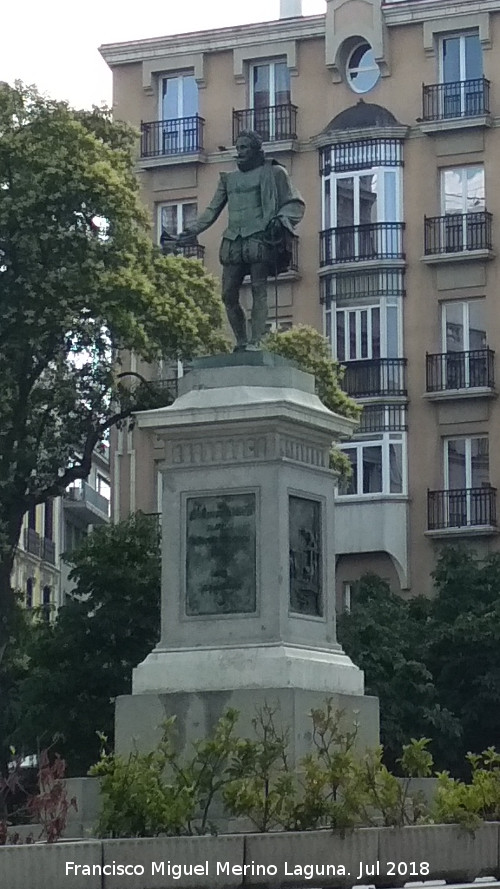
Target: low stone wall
point(323, 859)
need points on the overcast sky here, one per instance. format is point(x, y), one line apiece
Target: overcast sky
point(54, 43)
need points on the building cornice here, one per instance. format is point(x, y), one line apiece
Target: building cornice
point(410, 11)
point(281, 30)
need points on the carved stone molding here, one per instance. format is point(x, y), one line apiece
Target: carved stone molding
point(346, 19)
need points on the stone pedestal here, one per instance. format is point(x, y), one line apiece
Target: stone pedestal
point(248, 593)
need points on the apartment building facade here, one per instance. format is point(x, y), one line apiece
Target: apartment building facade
point(55, 528)
point(387, 116)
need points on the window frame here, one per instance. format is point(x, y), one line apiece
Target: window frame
point(384, 441)
point(468, 439)
point(179, 215)
point(465, 195)
point(461, 36)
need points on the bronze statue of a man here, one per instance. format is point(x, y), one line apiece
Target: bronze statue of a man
point(263, 210)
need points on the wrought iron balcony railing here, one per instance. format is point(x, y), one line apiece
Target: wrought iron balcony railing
point(457, 233)
point(375, 377)
point(358, 243)
point(275, 123)
point(463, 98)
point(460, 370)
point(461, 508)
point(382, 418)
point(32, 541)
point(184, 135)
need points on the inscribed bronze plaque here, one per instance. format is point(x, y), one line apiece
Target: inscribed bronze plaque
point(220, 554)
point(306, 593)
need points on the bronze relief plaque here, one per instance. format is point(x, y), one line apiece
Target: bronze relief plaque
point(221, 576)
point(306, 582)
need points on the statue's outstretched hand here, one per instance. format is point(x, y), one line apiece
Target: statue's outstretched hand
point(186, 237)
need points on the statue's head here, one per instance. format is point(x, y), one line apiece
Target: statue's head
point(249, 150)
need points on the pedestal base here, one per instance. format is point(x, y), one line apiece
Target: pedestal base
point(248, 667)
point(139, 717)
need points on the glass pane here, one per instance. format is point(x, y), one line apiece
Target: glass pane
point(456, 464)
point(473, 57)
point(169, 219)
point(392, 332)
point(345, 201)
point(451, 59)
point(480, 470)
point(189, 96)
point(261, 94)
point(363, 69)
point(281, 84)
point(328, 326)
point(368, 198)
point(396, 468)
point(341, 336)
point(477, 325)
point(350, 486)
point(170, 103)
point(390, 209)
point(372, 470)
point(454, 326)
point(453, 190)
point(364, 334)
point(327, 211)
point(188, 214)
point(475, 189)
point(352, 336)
point(375, 333)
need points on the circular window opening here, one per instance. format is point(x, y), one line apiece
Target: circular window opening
point(362, 69)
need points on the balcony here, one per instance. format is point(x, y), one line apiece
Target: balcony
point(375, 378)
point(168, 138)
point(460, 374)
point(48, 551)
point(461, 511)
point(455, 105)
point(275, 123)
point(86, 504)
point(374, 241)
point(32, 541)
point(457, 236)
point(171, 247)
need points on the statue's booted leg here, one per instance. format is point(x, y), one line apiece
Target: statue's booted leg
point(258, 275)
point(232, 277)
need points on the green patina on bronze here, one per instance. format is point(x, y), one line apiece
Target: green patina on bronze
point(263, 210)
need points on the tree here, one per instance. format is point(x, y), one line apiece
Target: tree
point(78, 665)
point(463, 647)
point(80, 281)
point(386, 637)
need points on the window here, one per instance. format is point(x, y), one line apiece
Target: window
point(466, 463)
point(365, 332)
point(378, 466)
point(270, 99)
point(461, 57)
point(103, 487)
point(466, 477)
point(174, 218)
point(73, 537)
point(364, 207)
point(462, 190)
point(46, 597)
point(48, 529)
point(362, 70)
point(178, 113)
point(29, 592)
point(32, 518)
point(462, 198)
point(347, 596)
point(465, 360)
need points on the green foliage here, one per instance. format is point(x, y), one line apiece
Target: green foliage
point(386, 637)
point(80, 280)
point(260, 782)
point(333, 786)
point(391, 797)
point(77, 666)
point(313, 353)
point(157, 793)
point(468, 804)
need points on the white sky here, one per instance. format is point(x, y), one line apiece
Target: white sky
point(54, 43)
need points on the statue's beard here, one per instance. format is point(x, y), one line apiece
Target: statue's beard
point(249, 164)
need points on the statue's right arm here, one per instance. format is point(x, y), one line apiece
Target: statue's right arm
point(213, 211)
